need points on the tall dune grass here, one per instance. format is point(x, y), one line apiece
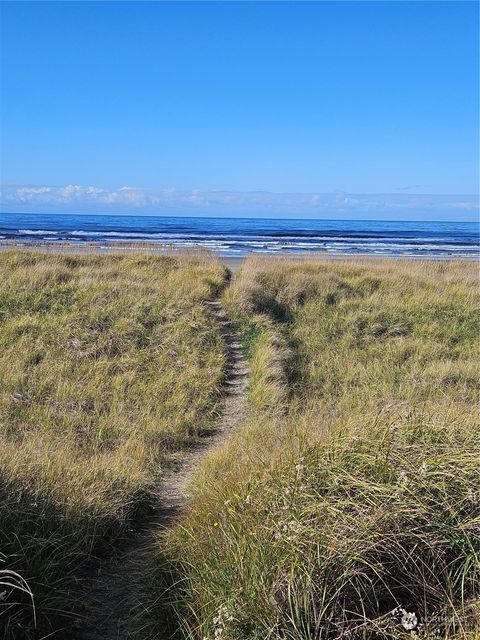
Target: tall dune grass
point(108, 367)
point(348, 505)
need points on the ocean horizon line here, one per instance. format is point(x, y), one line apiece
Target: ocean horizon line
point(239, 217)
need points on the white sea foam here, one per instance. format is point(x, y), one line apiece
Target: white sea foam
point(241, 237)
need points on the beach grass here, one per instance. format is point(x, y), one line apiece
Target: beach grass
point(109, 366)
point(347, 506)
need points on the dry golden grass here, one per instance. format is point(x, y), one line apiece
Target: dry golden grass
point(108, 366)
point(353, 487)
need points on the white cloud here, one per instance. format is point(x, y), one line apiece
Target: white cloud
point(75, 198)
point(28, 194)
point(466, 206)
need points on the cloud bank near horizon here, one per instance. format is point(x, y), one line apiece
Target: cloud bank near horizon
point(74, 198)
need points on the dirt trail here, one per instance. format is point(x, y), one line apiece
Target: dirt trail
point(110, 599)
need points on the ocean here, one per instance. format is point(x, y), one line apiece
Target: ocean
point(239, 236)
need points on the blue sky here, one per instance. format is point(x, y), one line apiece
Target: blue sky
point(315, 109)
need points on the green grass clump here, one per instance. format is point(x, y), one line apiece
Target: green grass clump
point(109, 365)
point(352, 490)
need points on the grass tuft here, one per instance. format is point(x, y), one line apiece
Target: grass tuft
point(347, 505)
point(109, 366)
